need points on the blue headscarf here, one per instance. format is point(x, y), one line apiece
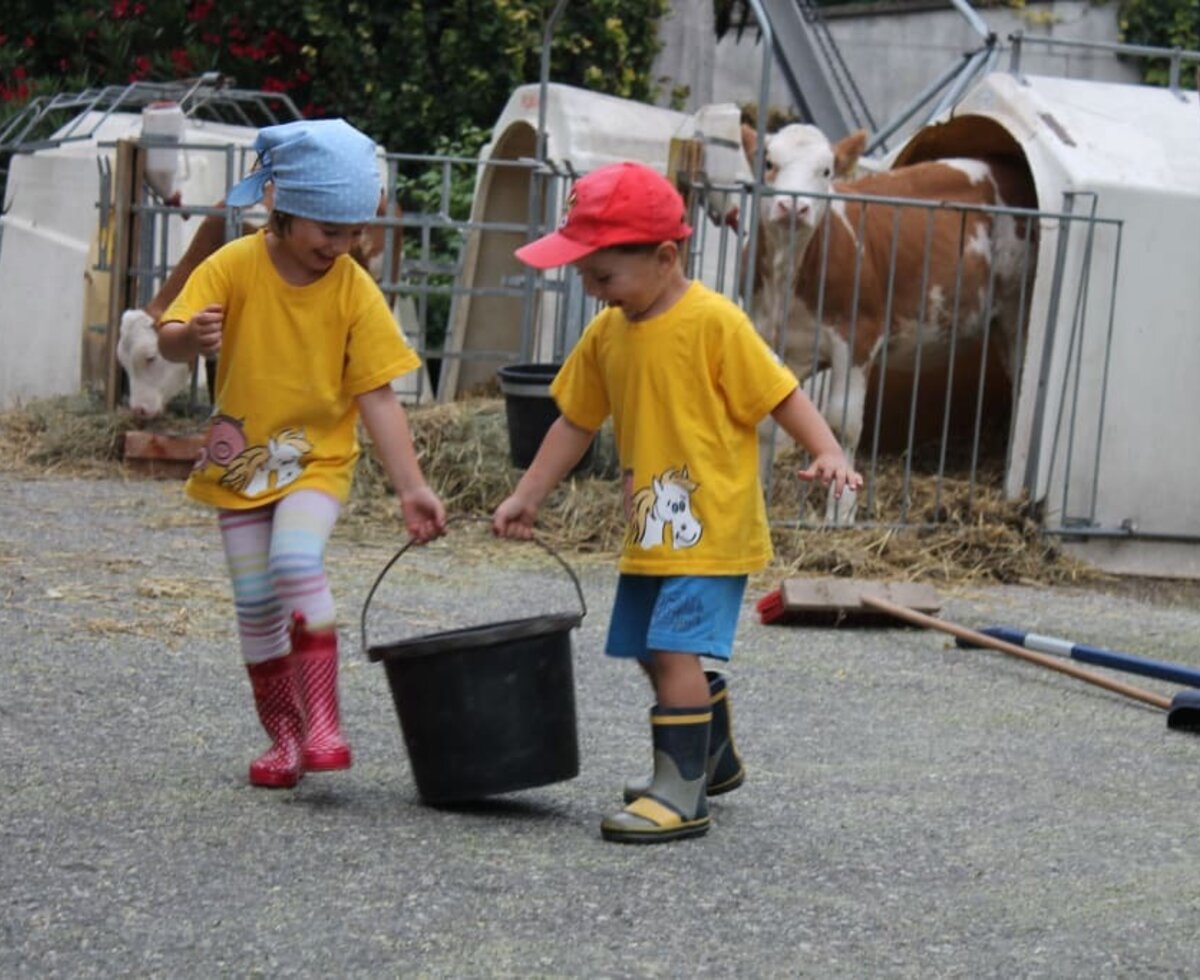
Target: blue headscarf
point(323, 169)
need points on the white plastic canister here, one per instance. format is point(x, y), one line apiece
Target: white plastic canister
point(162, 130)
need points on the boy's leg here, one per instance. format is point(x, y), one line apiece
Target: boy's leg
point(675, 805)
point(262, 631)
point(303, 522)
point(698, 614)
point(678, 679)
point(725, 769)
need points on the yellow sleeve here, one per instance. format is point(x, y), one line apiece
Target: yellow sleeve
point(209, 283)
point(377, 351)
point(752, 377)
point(579, 389)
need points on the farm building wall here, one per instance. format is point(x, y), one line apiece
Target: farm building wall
point(892, 52)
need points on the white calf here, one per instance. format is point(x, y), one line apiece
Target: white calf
point(153, 380)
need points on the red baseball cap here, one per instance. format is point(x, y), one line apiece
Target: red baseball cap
point(617, 204)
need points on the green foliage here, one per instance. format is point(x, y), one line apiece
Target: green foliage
point(405, 71)
point(1160, 23)
point(420, 76)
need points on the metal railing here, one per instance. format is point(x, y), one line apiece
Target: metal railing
point(942, 434)
point(1175, 57)
point(937, 420)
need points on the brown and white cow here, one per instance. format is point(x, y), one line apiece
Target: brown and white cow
point(837, 281)
point(153, 380)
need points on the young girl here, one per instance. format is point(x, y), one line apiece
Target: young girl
point(686, 379)
point(307, 345)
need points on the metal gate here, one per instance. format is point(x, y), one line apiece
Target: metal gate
point(937, 441)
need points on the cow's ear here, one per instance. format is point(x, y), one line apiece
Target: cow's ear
point(847, 151)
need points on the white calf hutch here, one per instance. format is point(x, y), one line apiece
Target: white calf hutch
point(54, 234)
point(1105, 432)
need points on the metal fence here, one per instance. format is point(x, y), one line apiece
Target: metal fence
point(937, 431)
point(939, 413)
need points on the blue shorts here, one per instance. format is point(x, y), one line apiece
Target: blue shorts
point(679, 613)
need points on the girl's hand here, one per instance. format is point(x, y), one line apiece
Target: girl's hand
point(205, 329)
point(514, 519)
point(832, 467)
point(424, 514)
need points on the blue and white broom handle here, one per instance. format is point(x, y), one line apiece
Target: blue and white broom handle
point(1128, 662)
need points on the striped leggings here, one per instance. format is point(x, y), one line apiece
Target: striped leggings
point(276, 559)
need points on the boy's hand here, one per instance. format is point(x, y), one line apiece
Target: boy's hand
point(514, 519)
point(205, 329)
point(832, 467)
point(424, 514)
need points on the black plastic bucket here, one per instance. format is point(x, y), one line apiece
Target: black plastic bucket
point(486, 709)
point(530, 411)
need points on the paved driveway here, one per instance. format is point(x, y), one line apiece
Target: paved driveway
point(913, 810)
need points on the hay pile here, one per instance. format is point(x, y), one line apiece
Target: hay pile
point(463, 449)
point(71, 435)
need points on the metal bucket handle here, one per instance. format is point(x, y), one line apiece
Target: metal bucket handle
point(411, 541)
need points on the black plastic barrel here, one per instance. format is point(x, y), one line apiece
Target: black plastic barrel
point(530, 411)
point(488, 709)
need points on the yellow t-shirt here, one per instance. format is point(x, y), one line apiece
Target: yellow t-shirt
point(292, 360)
point(686, 391)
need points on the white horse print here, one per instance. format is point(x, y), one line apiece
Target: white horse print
point(261, 468)
point(667, 501)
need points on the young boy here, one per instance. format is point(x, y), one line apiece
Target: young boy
point(686, 379)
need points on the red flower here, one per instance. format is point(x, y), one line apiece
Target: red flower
point(28, 42)
point(141, 68)
point(200, 9)
point(120, 9)
point(272, 84)
point(276, 42)
point(19, 72)
point(181, 61)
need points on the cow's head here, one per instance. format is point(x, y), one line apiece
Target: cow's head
point(153, 380)
point(800, 160)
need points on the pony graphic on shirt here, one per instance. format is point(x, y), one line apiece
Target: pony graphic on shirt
point(667, 501)
point(258, 469)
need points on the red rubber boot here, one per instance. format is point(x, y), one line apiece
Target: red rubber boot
point(315, 660)
point(278, 705)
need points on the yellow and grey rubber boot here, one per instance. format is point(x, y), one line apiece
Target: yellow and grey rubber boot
point(725, 769)
point(675, 804)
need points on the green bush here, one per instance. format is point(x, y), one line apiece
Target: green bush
point(419, 76)
point(1163, 24)
point(405, 71)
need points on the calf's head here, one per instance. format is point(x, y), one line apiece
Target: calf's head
point(153, 380)
point(800, 161)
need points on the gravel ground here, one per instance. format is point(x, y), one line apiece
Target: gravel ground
point(912, 809)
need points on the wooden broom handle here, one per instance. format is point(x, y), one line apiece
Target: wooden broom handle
point(983, 640)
